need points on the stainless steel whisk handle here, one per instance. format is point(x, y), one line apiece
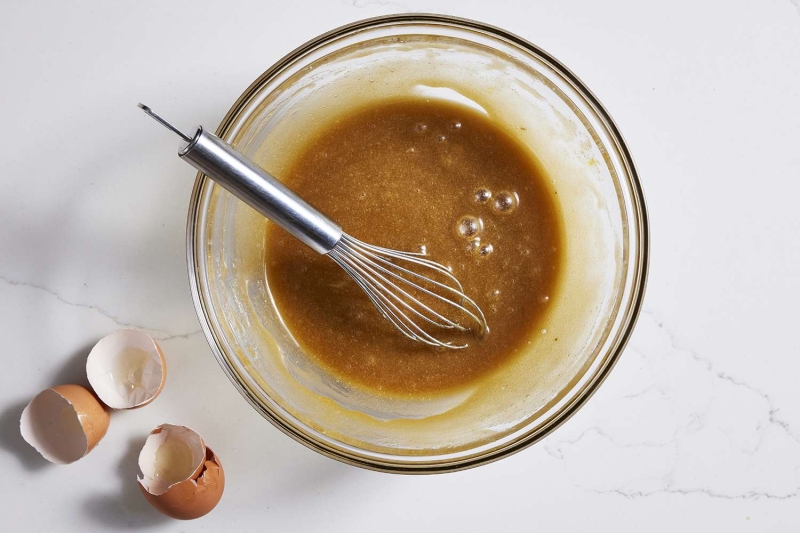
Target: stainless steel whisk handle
point(260, 190)
point(256, 187)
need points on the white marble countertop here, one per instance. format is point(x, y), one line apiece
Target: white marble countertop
point(697, 428)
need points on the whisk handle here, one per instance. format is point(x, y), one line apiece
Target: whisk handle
point(263, 192)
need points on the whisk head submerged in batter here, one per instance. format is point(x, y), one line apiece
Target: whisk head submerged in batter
point(417, 296)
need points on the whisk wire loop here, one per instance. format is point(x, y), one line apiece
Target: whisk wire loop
point(396, 290)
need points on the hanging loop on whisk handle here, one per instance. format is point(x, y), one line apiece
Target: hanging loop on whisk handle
point(260, 190)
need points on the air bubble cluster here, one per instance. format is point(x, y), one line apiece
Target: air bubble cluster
point(469, 227)
point(502, 203)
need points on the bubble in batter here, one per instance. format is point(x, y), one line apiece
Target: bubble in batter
point(469, 226)
point(474, 244)
point(421, 127)
point(441, 139)
point(485, 250)
point(505, 203)
point(481, 196)
point(455, 125)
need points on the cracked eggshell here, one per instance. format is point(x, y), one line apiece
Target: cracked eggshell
point(64, 423)
point(181, 476)
point(126, 369)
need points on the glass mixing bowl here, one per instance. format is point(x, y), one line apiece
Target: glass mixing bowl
point(605, 252)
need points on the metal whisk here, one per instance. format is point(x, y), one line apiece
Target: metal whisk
point(418, 296)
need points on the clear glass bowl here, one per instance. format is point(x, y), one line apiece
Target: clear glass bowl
point(591, 314)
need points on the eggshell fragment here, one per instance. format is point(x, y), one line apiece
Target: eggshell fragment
point(126, 369)
point(64, 423)
point(181, 477)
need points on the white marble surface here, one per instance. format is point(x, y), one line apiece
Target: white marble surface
point(697, 428)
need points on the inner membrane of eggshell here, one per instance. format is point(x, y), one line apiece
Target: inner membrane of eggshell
point(50, 424)
point(170, 455)
point(125, 369)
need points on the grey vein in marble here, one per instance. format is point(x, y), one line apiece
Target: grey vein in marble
point(675, 424)
point(158, 334)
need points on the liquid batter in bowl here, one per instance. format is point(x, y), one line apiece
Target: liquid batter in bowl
point(508, 147)
point(411, 174)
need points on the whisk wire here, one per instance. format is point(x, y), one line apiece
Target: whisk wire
point(457, 293)
point(389, 286)
point(412, 257)
point(448, 324)
point(370, 272)
point(390, 312)
point(366, 249)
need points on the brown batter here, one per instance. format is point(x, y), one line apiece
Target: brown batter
point(406, 174)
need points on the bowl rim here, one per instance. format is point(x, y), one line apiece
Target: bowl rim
point(640, 263)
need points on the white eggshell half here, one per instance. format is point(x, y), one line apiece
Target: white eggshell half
point(50, 424)
point(171, 455)
point(126, 369)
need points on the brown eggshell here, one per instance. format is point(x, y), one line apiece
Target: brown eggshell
point(194, 497)
point(91, 413)
point(64, 423)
